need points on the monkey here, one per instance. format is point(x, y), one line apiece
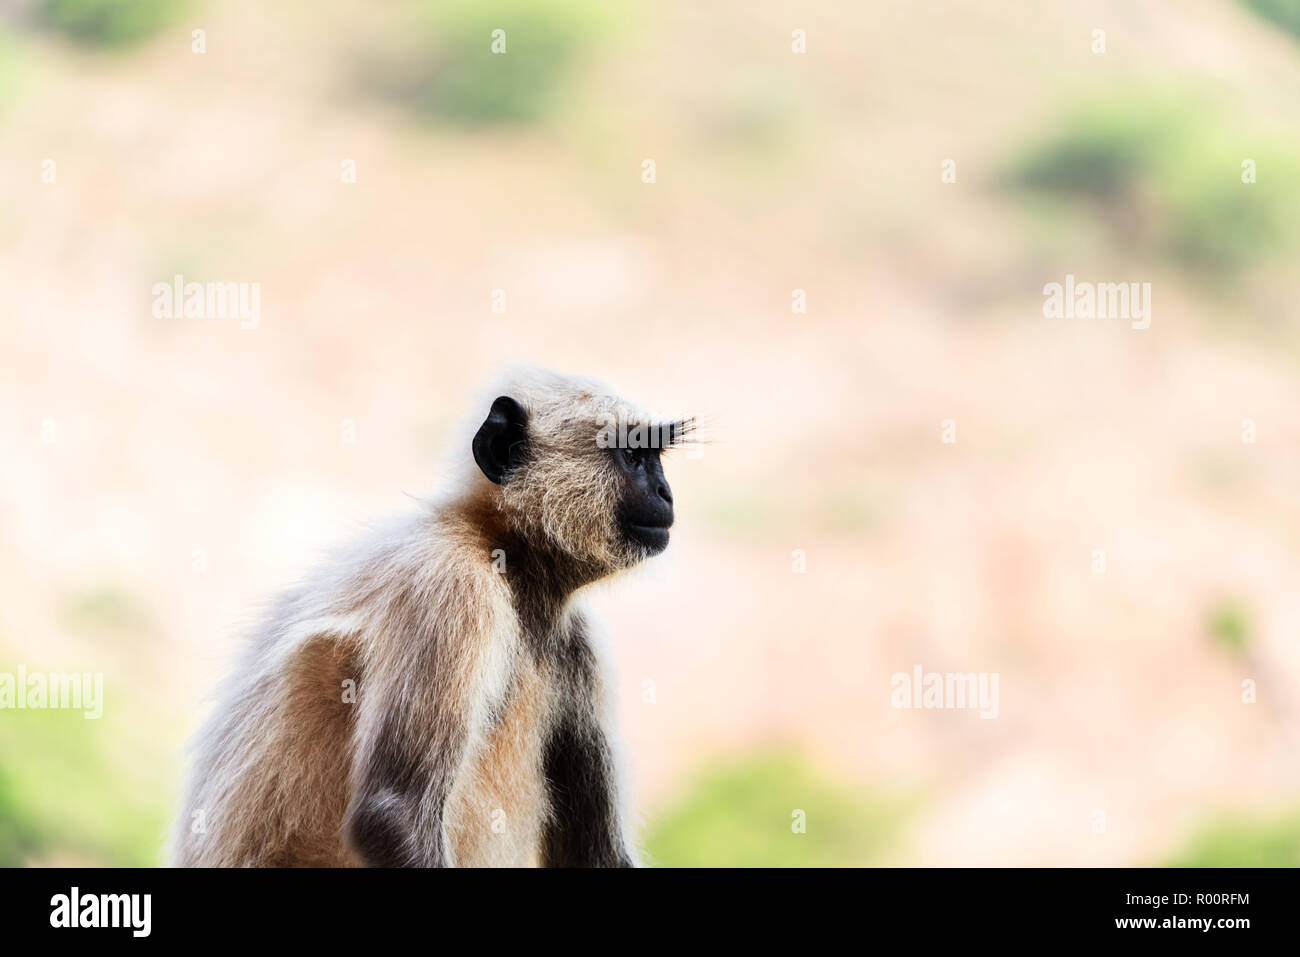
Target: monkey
point(437, 693)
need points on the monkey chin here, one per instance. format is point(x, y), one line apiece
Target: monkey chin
point(646, 540)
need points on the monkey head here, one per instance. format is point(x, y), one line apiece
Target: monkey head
point(579, 470)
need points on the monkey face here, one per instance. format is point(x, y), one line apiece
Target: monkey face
point(574, 475)
point(645, 509)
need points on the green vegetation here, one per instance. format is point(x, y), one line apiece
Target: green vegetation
point(8, 69)
point(1166, 178)
point(1284, 13)
point(19, 836)
point(111, 23)
point(850, 509)
point(456, 77)
point(841, 510)
point(744, 514)
point(71, 789)
point(741, 815)
point(105, 606)
point(1241, 841)
point(1230, 626)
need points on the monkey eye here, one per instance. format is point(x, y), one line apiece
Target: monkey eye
point(631, 458)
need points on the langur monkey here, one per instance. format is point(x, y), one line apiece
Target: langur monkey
point(435, 696)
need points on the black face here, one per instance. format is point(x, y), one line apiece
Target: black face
point(646, 511)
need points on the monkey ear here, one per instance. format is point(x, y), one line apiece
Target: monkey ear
point(501, 443)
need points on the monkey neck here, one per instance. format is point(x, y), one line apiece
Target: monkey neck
point(542, 578)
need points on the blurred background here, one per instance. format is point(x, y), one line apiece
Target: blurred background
point(387, 180)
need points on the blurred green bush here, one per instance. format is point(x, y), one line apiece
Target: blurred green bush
point(1230, 626)
point(8, 68)
point(19, 835)
point(1284, 13)
point(1165, 176)
point(740, 815)
point(1240, 841)
point(111, 23)
point(84, 791)
point(453, 75)
point(103, 606)
point(63, 797)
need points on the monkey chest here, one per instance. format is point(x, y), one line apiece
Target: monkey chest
point(497, 808)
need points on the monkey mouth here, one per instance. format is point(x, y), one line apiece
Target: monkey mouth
point(652, 537)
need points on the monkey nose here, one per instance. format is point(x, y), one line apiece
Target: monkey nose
point(665, 493)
